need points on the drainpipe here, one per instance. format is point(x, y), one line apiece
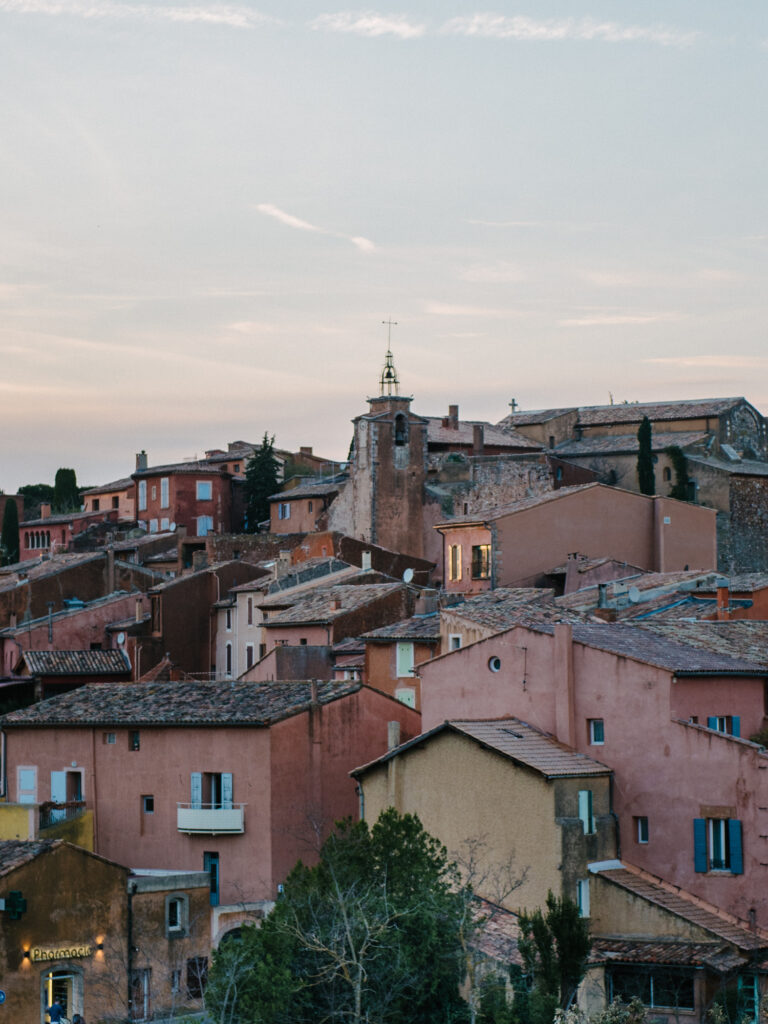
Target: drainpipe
point(131, 893)
point(615, 816)
point(565, 715)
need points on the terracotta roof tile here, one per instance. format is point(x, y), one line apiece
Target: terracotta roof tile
point(418, 627)
point(743, 639)
point(532, 417)
point(627, 444)
point(177, 704)
point(716, 956)
point(116, 485)
point(506, 606)
point(695, 408)
point(16, 852)
point(463, 434)
point(499, 511)
point(317, 605)
point(76, 663)
point(316, 489)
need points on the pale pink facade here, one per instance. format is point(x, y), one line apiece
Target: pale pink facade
point(287, 781)
point(657, 534)
point(667, 771)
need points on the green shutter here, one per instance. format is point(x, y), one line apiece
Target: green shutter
point(700, 845)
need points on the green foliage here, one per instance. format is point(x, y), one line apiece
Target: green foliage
point(33, 495)
point(369, 933)
point(679, 489)
point(633, 1012)
point(493, 1006)
point(760, 737)
point(646, 478)
point(554, 947)
point(9, 539)
point(66, 496)
point(261, 474)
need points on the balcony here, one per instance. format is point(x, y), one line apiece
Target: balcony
point(210, 820)
point(52, 813)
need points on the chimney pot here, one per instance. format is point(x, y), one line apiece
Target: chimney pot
point(45, 510)
point(365, 560)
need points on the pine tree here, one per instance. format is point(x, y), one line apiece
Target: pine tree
point(260, 482)
point(9, 541)
point(646, 478)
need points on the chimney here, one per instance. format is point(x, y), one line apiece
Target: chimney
point(453, 417)
point(602, 595)
point(111, 570)
point(139, 611)
point(478, 439)
point(365, 560)
point(723, 601)
point(313, 697)
point(393, 735)
point(45, 509)
point(335, 604)
point(305, 450)
point(141, 460)
point(565, 718)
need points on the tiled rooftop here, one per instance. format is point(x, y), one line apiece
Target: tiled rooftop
point(715, 955)
point(497, 932)
point(310, 489)
point(16, 852)
point(316, 606)
point(695, 408)
point(744, 639)
point(116, 485)
point(744, 467)
point(34, 570)
point(64, 517)
point(683, 904)
point(747, 582)
point(626, 444)
point(631, 641)
point(501, 608)
point(532, 417)
point(419, 627)
point(513, 739)
point(177, 704)
point(76, 663)
point(199, 466)
point(463, 434)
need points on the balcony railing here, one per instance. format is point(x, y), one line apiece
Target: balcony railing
point(208, 819)
point(52, 813)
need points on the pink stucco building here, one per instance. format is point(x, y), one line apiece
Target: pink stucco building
point(669, 718)
point(239, 779)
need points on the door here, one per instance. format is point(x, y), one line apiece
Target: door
point(27, 785)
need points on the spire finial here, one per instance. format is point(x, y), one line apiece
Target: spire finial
point(388, 382)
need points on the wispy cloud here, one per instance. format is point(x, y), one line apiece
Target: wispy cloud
point(719, 362)
point(525, 29)
point(497, 273)
point(212, 14)
point(370, 24)
point(620, 319)
point(363, 244)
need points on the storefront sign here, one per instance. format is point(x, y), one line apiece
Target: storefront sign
point(64, 953)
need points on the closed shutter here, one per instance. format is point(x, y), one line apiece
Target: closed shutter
point(226, 790)
point(734, 837)
point(736, 725)
point(700, 845)
point(585, 811)
point(196, 786)
point(711, 722)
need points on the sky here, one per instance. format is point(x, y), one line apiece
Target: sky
point(207, 211)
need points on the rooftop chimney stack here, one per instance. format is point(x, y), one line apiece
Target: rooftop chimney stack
point(141, 460)
point(478, 439)
point(453, 417)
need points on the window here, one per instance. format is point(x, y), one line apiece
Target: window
point(586, 813)
point(95, 504)
point(248, 655)
point(454, 562)
point(228, 616)
point(596, 731)
point(154, 492)
point(165, 523)
point(641, 829)
point(582, 897)
point(211, 789)
point(309, 506)
point(204, 525)
point(494, 663)
point(401, 430)
point(142, 495)
point(730, 724)
point(176, 915)
point(197, 976)
point(653, 986)
point(454, 641)
point(176, 981)
point(717, 845)
point(165, 496)
point(481, 562)
point(134, 740)
point(148, 804)
point(228, 654)
point(666, 474)
point(116, 501)
point(250, 611)
point(204, 490)
point(110, 737)
point(262, 650)
point(211, 865)
point(559, 473)
point(404, 660)
point(284, 510)
point(153, 526)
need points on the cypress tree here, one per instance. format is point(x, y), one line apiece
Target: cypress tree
point(646, 477)
point(66, 496)
point(260, 482)
point(9, 541)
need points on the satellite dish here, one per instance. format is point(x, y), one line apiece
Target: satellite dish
point(172, 527)
point(121, 638)
point(407, 575)
point(634, 595)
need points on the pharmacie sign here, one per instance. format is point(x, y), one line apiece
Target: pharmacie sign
point(38, 953)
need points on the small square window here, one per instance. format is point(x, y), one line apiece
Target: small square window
point(641, 829)
point(110, 738)
point(596, 731)
point(454, 641)
point(148, 804)
point(134, 740)
point(204, 490)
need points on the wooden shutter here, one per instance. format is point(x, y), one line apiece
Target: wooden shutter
point(700, 845)
point(734, 837)
point(711, 722)
point(735, 725)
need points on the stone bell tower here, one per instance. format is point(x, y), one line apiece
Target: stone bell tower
point(389, 469)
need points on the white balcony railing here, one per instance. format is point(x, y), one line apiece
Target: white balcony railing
point(205, 819)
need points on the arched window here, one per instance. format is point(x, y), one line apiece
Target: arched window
point(401, 430)
point(229, 659)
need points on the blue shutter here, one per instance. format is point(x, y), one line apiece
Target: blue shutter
point(735, 725)
point(734, 838)
point(226, 790)
point(700, 845)
point(196, 788)
point(712, 722)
